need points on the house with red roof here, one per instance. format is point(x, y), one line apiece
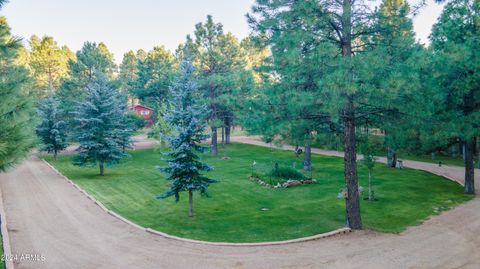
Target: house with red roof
point(145, 112)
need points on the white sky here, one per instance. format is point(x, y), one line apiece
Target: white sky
point(141, 24)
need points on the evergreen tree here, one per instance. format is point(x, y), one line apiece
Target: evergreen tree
point(155, 74)
point(52, 130)
point(187, 117)
point(49, 63)
point(141, 54)
point(257, 54)
point(111, 67)
point(128, 75)
point(223, 75)
point(234, 82)
point(396, 42)
point(100, 121)
point(206, 56)
point(90, 59)
point(23, 59)
point(128, 72)
point(16, 110)
point(455, 86)
point(293, 97)
point(333, 39)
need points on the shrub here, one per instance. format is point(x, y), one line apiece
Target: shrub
point(135, 121)
point(286, 172)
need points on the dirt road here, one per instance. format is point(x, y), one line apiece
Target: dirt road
point(46, 216)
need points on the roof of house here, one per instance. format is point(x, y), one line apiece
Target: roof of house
point(146, 107)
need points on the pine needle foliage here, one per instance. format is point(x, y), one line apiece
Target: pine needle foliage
point(16, 109)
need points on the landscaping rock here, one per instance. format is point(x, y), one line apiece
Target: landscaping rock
point(292, 183)
point(289, 183)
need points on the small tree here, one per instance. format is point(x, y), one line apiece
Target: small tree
point(101, 126)
point(188, 119)
point(52, 130)
point(369, 162)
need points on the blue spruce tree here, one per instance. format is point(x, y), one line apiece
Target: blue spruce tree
point(187, 117)
point(101, 126)
point(52, 130)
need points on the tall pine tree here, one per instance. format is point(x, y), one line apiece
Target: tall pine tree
point(16, 110)
point(396, 41)
point(101, 125)
point(187, 117)
point(456, 86)
point(90, 59)
point(128, 76)
point(334, 37)
point(49, 63)
point(154, 77)
point(221, 65)
point(292, 98)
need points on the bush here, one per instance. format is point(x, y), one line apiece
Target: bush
point(135, 121)
point(286, 172)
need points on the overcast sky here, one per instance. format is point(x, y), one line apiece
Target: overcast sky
point(141, 24)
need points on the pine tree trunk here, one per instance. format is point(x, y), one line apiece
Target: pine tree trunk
point(478, 156)
point(469, 148)
point(214, 142)
point(223, 136)
point(476, 151)
point(434, 156)
point(352, 200)
point(307, 157)
point(190, 203)
point(227, 134)
point(55, 154)
point(102, 168)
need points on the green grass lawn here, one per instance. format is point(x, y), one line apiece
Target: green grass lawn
point(234, 212)
point(2, 262)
